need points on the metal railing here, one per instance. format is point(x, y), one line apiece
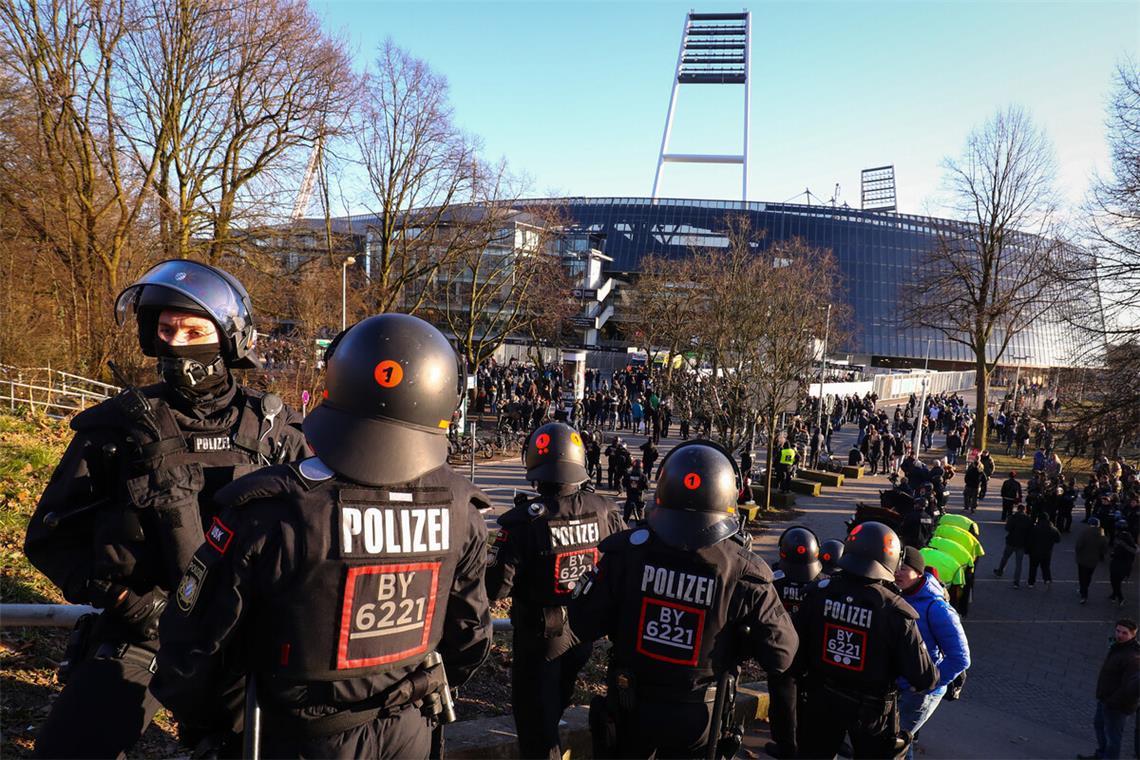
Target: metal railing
point(53, 391)
point(65, 615)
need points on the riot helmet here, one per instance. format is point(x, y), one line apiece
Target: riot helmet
point(872, 550)
point(392, 382)
point(695, 501)
point(830, 552)
point(799, 554)
point(197, 288)
point(555, 454)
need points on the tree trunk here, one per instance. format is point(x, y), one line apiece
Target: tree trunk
point(981, 411)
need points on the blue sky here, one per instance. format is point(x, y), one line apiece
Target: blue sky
point(575, 94)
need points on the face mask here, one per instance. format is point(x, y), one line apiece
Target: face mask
point(194, 368)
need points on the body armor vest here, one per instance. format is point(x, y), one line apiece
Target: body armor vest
point(792, 593)
point(668, 632)
point(561, 547)
point(375, 567)
point(848, 630)
point(164, 478)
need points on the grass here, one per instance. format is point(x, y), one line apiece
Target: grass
point(30, 447)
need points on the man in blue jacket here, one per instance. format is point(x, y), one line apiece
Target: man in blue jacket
point(942, 633)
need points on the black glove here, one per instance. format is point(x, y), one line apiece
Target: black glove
point(142, 612)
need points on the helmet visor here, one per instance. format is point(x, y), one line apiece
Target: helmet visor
point(200, 284)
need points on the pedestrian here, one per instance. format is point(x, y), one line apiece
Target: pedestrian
point(798, 567)
point(684, 602)
point(1017, 530)
point(1121, 559)
point(1090, 549)
point(943, 635)
point(1042, 538)
point(127, 505)
point(649, 456)
point(543, 548)
point(786, 465)
point(351, 584)
point(1117, 693)
point(858, 638)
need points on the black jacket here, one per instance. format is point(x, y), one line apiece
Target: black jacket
point(1116, 685)
point(1017, 530)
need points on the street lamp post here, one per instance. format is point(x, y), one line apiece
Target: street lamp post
point(921, 403)
point(344, 291)
point(822, 369)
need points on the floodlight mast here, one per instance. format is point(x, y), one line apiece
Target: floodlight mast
point(715, 49)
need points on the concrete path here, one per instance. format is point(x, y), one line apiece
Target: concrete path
point(1036, 652)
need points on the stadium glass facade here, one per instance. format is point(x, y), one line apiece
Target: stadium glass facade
point(877, 252)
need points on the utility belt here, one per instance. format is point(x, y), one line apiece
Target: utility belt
point(86, 642)
point(866, 706)
point(425, 688)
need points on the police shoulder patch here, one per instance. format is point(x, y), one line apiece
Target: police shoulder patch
point(777, 574)
point(191, 584)
point(824, 583)
point(313, 469)
point(639, 537)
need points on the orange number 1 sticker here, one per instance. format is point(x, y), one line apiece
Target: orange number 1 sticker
point(388, 373)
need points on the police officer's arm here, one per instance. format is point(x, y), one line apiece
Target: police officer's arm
point(772, 639)
point(593, 608)
point(65, 553)
point(201, 625)
point(505, 554)
point(466, 640)
point(912, 660)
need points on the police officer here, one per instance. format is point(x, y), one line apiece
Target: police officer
point(341, 580)
point(636, 483)
point(785, 465)
point(798, 567)
point(543, 547)
point(684, 603)
point(858, 637)
point(126, 506)
point(830, 551)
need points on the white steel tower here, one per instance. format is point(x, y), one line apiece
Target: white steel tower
point(714, 50)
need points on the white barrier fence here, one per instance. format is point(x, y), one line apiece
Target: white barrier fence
point(901, 385)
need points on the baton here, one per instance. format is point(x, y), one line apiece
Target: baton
point(251, 739)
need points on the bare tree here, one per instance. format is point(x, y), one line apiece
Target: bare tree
point(490, 289)
point(418, 165)
point(71, 187)
point(245, 93)
point(1113, 215)
point(996, 271)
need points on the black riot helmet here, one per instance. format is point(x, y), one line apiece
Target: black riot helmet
point(829, 553)
point(198, 288)
point(695, 502)
point(555, 454)
point(391, 385)
point(872, 550)
point(799, 554)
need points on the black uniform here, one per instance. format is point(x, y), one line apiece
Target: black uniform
point(635, 484)
point(128, 503)
point(858, 637)
point(542, 549)
point(672, 614)
point(332, 593)
point(782, 688)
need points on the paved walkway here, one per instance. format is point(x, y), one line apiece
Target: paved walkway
point(1036, 652)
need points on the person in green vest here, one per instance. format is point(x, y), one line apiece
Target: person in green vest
point(968, 541)
point(951, 572)
point(785, 463)
point(961, 521)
